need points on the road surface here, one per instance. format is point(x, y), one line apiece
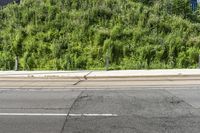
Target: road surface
point(130, 109)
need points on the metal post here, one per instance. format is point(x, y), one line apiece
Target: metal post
point(16, 63)
point(199, 61)
point(107, 63)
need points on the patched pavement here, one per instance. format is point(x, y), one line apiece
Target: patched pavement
point(132, 110)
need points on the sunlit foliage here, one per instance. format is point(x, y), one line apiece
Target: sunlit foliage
point(82, 34)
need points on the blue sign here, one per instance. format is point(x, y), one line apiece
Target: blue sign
point(194, 4)
point(5, 2)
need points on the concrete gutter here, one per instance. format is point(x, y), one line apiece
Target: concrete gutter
point(101, 74)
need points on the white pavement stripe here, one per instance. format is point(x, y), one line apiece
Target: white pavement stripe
point(44, 114)
point(93, 115)
point(108, 88)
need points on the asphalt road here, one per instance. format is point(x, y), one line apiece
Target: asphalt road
point(132, 110)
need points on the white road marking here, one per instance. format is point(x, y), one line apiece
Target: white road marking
point(93, 115)
point(45, 114)
point(108, 88)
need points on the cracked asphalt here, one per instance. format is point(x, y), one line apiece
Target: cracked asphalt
point(138, 110)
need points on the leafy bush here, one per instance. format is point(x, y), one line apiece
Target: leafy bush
point(82, 34)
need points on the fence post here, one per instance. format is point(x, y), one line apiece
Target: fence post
point(16, 63)
point(199, 61)
point(107, 63)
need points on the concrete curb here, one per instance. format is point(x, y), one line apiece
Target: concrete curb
point(43, 74)
point(101, 74)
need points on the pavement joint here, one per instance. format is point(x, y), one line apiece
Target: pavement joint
point(68, 113)
point(78, 82)
point(85, 78)
point(179, 100)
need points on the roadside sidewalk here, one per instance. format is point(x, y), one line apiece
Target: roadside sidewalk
point(101, 74)
point(104, 79)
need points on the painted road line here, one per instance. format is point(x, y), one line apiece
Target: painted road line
point(45, 114)
point(109, 88)
point(108, 115)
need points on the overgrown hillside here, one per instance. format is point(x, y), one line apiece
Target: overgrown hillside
point(82, 34)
